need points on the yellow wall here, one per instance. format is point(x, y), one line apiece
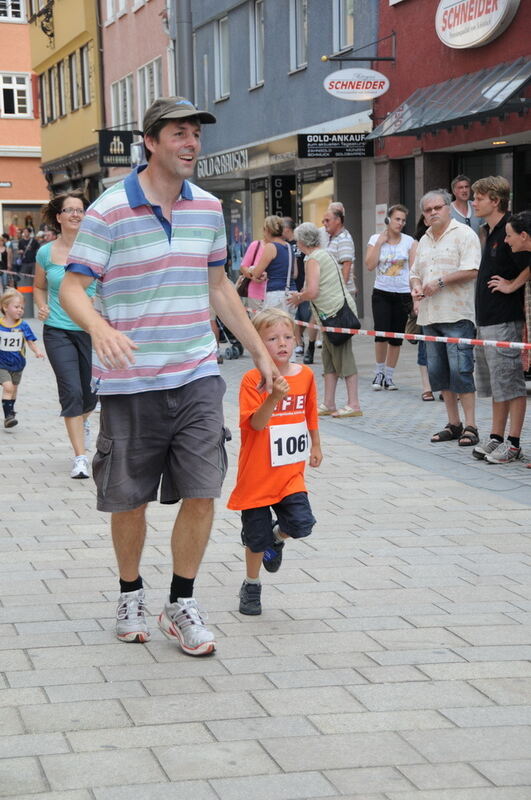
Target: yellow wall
point(75, 25)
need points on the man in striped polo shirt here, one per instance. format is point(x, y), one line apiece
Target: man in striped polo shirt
point(156, 244)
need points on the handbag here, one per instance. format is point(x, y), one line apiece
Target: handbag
point(242, 284)
point(344, 318)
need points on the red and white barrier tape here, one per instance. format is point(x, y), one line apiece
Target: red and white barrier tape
point(17, 274)
point(417, 337)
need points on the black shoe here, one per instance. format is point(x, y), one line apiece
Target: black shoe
point(10, 421)
point(250, 599)
point(273, 557)
point(308, 356)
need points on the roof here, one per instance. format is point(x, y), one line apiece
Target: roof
point(470, 97)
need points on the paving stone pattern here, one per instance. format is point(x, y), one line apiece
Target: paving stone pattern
point(392, 660)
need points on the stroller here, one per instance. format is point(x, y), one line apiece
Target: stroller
point(234, 348)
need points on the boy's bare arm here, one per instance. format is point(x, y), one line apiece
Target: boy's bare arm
point(262, 415)
point(316, 455)
point(35, 349)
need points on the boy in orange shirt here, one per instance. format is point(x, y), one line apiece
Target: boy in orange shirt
point(278, 431)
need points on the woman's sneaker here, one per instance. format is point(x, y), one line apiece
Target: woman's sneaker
point(250, 599)
point(378, 382)
point(182, 621)
point(388, 384)
point(131, 625)
point(80, 467)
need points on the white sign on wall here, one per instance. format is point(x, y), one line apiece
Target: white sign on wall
point(356, 84)
point(472, 23)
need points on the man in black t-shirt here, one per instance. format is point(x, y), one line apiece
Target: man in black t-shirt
point(499, 317)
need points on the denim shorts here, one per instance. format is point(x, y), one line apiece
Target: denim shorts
point(172, 437)
point(451, 366)
point(499, 370)
point(294, 516)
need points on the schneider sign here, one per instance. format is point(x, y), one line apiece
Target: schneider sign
point(334, 145)
point(213, 166)
point(356, 84)
point(473, 23)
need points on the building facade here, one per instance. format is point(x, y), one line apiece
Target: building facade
point(458, 102)
point(258, 68)
point(22, 186)
point(65, 46)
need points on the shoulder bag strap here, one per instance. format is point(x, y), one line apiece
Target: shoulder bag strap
point(290, 262)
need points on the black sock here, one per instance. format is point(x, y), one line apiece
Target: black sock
point(498, 438)
point(131, 586)
point(514, 440)
point(9, 407)
point(181, 587)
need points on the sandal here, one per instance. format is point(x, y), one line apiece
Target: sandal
point(468, 437)
point(346, 411)
point(324, 411)
point(448, 433)
point(427, 397)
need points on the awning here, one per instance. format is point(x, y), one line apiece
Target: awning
point(468, 98)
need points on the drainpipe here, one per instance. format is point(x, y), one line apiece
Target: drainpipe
point(184, 62)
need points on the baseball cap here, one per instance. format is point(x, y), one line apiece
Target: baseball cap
point(173, 108)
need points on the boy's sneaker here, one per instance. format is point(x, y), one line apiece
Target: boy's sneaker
point(250, 599)
point(183, 622)
point(485, 448)
point(299, 350)
point(388, 384)
point(131, 625)
point(87, 434)
point(504, 454)
point(378, 382)
point(272, 558)
point(80, 467)
point(10, 421)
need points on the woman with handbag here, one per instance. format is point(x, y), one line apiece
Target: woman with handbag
point(391, 253)
point(335, 307)
point(252, 290)
point(278, 261)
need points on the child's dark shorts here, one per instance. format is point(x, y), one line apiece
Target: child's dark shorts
point(294, 516)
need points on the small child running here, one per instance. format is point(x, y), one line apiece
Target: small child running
point(14, 333)
point(277, 433)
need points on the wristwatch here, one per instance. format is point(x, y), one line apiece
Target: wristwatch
point(441, 283)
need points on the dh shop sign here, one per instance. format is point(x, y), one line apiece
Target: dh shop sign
point(334, 145)
point(356, 84)
point(464, 24)
point(214, 166)
point(115, 148)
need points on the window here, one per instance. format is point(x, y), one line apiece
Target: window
point(61, 89)
point(52, 95)
point(12, 9)
point(122, 103)
point(72, 74)
point(298, 33)
point(43, 98)
point(149, 85)
point(257, 42)
point(221, 59)
point(343, 27)
point(85, 75)
point(16, 95)
point(110, 10)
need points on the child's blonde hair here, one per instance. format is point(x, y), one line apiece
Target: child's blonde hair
point(270, 316)
point(8, 295)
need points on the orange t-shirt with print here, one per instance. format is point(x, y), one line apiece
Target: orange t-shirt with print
point(259, 483)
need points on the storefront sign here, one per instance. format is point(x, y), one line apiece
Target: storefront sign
point(115, 148)
point(214, 166)
point(334, 145)
point(472, 23)
point(356, 84)
point(280, 199)
point(5, 184)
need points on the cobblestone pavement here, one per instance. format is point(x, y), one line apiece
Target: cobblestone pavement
point(392, 660)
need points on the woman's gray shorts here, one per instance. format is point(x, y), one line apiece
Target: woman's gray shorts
point(499, 370)
point(175, 438)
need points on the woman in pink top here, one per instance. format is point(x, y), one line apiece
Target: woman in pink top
point(257, 287)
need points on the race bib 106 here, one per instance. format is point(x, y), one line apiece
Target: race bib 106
point(288, 443)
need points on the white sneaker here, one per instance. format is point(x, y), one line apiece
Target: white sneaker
point(87, 434)
point(319, 343)
point(131, 625)
point(183, 621)
point(378, 382)
point(80, 467)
